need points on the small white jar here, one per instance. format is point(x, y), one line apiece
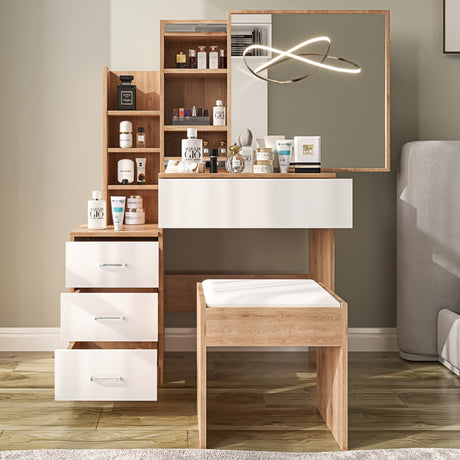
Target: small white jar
point(135, 202)
point(126, 134)
point(135, 217)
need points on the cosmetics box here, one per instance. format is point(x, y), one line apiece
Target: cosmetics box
point(192, 121)
point(307, 150)
point(307, 168)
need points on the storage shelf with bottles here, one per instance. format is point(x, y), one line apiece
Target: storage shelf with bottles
point(185, 88)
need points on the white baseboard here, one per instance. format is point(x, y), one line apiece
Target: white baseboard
point(184, 339)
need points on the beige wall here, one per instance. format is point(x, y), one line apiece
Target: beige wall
point(52, 57)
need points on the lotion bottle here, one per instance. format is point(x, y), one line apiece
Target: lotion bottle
point(97, 212)
point(218, 114)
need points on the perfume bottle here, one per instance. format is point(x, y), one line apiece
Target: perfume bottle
point(140, 138)
point(223, 148)
point(181, 60)
point(213, 161)
point(202, 57)
point(222, 59)
point(96, 211)
point(205, 148)
point(235, 161)
point(192, 148)
point(126, 93)
point(192, 59)
point(218, 114)
point(213, 58)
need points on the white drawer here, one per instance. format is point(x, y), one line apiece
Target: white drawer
point(112, 264)
point(106, 375)
point(109, 317)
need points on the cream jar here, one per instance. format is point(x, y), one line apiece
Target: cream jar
point(262, 169)
point(263, 161)
point(135, 217)
point(126, 134)
point(135, 202)
point(264, 154)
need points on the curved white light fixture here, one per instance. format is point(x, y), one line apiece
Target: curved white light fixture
point(354, 69)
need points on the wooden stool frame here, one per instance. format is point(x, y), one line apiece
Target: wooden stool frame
point(326, 329)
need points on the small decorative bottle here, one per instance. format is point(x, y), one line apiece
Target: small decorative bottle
point(223, 149)
point(96, 212)
point(222, 59)
point(126, 134)
point(192, 148)
point(140, 138)
point(205, 148)
point(126, 93)
point(202, 57)
point(213, 161)
point(214, 58)
point(219, 114)
point(235, 161)
point(192, 59)
point(181, 59)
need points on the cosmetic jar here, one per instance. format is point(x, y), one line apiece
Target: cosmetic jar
point(135, 217)
point(126, 134)
point(135, 202)
point(263, 163)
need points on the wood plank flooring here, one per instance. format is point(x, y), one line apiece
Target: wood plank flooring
point(256, 401)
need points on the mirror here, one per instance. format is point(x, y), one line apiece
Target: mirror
point(350, 111)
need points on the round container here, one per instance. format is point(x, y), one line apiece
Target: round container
point(135, 217)
point(262, 169)
point(135, 202)
point(265, 154)
point(126, 134)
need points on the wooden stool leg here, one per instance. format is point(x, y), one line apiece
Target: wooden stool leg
point(201, 368)
point(332, 391)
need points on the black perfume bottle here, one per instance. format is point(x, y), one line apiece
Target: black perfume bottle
point(126, 93)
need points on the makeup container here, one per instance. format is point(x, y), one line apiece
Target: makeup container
point(135, 216)
point(263, 161)
point(307, 154)
point(118, 211)
point(140, 174)
point(135, 202)
point(125, 171)
point(126, 93)
point(140, 137)
point(126, 134)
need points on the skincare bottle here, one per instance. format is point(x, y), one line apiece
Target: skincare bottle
point(96, 212)
point(213, 161)
point(192, 148)
point(213, 58)
point(140, 138)
point(235, 161)
point(202, 57)
point(140, 163)
point(192, 59)
point(219, 114)
point(126, 134)
point(181, 59)
point(125, 171)
point(126, 93)
point(222, 59)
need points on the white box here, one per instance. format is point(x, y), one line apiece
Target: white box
point(307, 149)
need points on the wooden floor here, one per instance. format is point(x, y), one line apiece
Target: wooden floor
point(256, 401)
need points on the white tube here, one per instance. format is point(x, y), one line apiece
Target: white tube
point(284, 148)
point(118, 211)
point(140, 163)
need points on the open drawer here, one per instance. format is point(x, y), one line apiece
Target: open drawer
point(105, 374)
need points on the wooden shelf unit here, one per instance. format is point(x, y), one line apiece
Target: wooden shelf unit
point(147, 115)
point(191, 87)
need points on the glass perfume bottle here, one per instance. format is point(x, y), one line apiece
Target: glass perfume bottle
point(235, 161)
point(181, 60)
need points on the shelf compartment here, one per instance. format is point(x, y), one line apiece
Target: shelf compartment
point(149, 197)
point(135, 113)
point(151, 127)
point(196, 73)
point(173, 138)
point(152, 168)
point(147, 91)
point(133, 150)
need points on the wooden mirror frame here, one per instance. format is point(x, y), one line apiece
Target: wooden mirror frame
point(386, 168)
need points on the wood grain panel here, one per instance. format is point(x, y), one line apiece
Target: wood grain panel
point(321, 256)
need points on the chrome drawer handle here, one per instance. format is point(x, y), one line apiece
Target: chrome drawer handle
point(109, 318)
point(105, 379)
point(112, 265)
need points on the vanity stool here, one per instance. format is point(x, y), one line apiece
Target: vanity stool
point(278, 312)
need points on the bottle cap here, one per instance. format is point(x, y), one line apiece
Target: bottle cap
point(235, 148)
point(192, 53)
point(218, 103)
point(126, 127)
point(192, 132)
point(213, 152)
point(140, 129)
point(97, 195)
point(222, 52)
point(126, 79)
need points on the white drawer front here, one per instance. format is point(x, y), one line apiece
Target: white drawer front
point(109, 317)
point(106, 375)
point(111, 264)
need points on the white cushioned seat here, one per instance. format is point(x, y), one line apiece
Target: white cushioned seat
point(267, 293)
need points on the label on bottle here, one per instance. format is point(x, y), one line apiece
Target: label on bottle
point(236, 163)
point(126, 140)
point(192, 149)
point(219, 116)
point(126, 97)
point(202, 60)
point(140, 138)
point(96, 214)
point(213, 60)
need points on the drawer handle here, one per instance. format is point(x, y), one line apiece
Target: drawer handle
point(109, 318)
point(112, 265)
point(105, 379)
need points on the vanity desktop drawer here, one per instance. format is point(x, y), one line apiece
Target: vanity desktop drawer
point(106, 375)
point(115, 264)
point(109, 317)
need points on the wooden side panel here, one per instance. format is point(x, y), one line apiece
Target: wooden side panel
point(161, 334)
point(229, 326)
point(332, 386)
point(321, 256)
point(180, 290)
point(201, 366)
